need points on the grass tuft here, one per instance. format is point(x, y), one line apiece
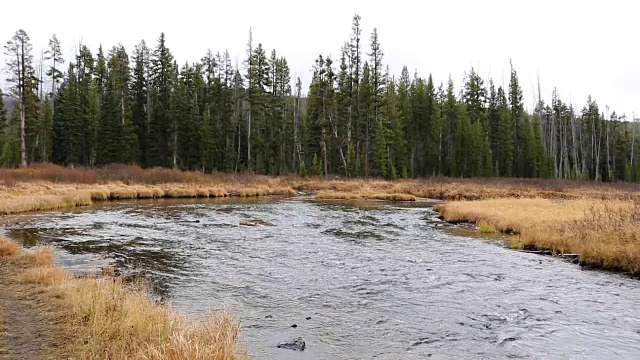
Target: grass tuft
point(40, 257)
point(8, 247)
point(45, 276)
point(487, 228)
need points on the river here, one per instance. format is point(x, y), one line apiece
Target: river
point(360, 281)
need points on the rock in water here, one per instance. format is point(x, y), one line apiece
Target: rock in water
point(296, 344)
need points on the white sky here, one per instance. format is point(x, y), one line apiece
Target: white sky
point(580, 47)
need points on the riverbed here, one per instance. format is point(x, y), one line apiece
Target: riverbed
point(354, 280)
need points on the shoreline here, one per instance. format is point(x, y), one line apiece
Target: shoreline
point(598, 236)
point(108, 317)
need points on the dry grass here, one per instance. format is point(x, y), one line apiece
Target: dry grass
point(515, 214)
point(336, 195)
point(35, 202)
point(117, 322)
point(123, 193)
point(8, 247)
point(112, 320)
point(339, 195)
point(605, 234)
point(218, 192)
point(50, 187)
point(392, 197)
point(485, 228)
point(100, 194)
point(40, 257)
point(181, 193)
point(45, 276)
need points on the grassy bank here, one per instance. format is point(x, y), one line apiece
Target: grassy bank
point(605, 234)
point(113, 320)
point(50, 187)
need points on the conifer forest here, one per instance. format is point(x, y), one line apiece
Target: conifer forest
point(142, 106)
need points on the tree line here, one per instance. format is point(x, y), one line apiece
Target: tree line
point(355, 120)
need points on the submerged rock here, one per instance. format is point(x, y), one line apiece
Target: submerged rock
point(296, 344)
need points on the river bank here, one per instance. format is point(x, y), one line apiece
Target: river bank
point(601, 234)
point(46, 313)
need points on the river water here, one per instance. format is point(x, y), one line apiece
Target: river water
point(360, 281)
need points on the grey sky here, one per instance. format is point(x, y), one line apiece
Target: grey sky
point(580, 47)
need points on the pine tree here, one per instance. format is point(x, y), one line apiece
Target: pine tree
point(5, 132)
point(162, 85)
point(54, 53)
point(451, 133)
point(45, 131)
point(140, 94)
point(89, 114)
point(117, 142)
point(519, 130)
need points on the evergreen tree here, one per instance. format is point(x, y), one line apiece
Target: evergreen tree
point(519, 129)
point(54, 53)
point(141, 96)
point(117, 142)
point(162, 85)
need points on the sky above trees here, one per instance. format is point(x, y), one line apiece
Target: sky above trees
point(581, 47)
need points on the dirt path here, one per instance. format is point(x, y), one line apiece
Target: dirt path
point(29, 327)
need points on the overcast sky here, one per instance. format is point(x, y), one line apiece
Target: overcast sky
point(580, 47)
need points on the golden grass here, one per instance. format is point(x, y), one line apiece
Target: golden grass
point(605, 234)
point(251, 192)
point(487, 228)
point(19, 204)
point(40, 257)
point(180, 193)
point(50, 187)
point(218, 192)
point(392, 197)
point(115, 321)
point(45, 276)
point(123, 193)
point(202, 193)
point(281, 191)
point(8, 247)
point(100, 194)
point(112, 320)
point(338, 195)
point(514, 214)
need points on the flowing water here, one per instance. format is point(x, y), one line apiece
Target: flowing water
point(378, 281)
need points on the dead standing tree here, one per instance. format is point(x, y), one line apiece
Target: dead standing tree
point(21, 79)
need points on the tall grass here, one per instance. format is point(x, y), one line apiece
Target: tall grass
point(8, 247)
point(437, 187)
point(605, 234)
point(113, 320)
